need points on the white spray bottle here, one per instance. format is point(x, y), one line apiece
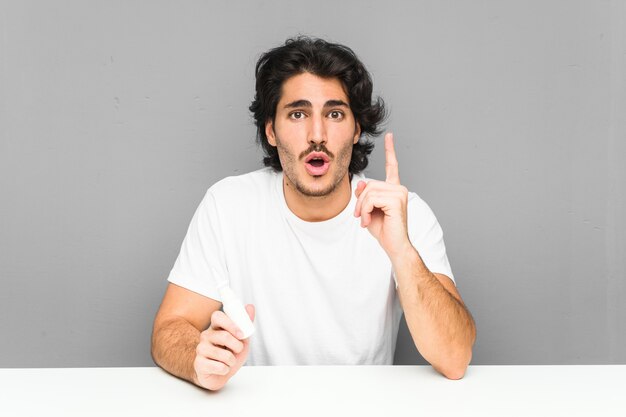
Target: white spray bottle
point(235, 309)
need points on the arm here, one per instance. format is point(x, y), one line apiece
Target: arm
point(441, 327)
point(182, 346)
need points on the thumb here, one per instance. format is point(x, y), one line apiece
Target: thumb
point(251, 311)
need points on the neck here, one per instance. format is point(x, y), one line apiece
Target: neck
point(317, 209)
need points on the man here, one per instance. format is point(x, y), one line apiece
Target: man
point(328, 259)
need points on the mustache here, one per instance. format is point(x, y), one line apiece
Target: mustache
point(317, 147)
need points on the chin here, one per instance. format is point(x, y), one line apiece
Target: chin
point(317, 187)
point(316, 191)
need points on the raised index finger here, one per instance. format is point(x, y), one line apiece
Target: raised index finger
point(391, 162)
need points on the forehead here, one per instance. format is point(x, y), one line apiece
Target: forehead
point(310, 87)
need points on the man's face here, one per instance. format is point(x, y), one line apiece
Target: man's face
point(314, 132)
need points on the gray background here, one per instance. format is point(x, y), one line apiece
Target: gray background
point(115, 117)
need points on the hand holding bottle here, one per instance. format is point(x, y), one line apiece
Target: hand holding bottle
point(221, 352)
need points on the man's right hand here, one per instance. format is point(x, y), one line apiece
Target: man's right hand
point(221, 352)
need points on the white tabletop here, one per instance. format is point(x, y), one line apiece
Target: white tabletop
point(319, 390)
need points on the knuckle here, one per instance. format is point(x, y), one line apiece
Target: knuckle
point(202, 367)
point(234, 346)
point(214, 337)
point(216, 353)
point(211, 367)
point(216, 316)
point(224, 337)
point(220, 368)
point(203, 349)
point(208, 333)
point(228, 358)
point(196, 364)
point(204, 335)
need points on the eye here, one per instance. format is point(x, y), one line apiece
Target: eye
point(296, 115)
point(336, 114)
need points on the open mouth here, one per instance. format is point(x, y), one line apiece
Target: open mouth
point(317, 163)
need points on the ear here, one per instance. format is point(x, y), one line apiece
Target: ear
point(357, 132)
point(269, 132)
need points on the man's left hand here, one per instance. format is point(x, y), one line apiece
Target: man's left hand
point(382, 206)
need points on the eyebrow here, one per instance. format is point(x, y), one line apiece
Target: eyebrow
point(307, 103)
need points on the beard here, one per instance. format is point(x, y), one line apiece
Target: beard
point(325, 184)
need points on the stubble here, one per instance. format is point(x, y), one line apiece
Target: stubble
point(289, 162)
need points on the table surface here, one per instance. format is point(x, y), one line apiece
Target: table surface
point(586, 390)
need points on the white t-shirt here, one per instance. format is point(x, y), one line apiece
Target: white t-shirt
point(324, 292)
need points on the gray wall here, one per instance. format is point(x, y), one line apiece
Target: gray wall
point(115, 117)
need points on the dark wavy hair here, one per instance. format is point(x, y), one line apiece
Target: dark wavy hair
point(327, 60)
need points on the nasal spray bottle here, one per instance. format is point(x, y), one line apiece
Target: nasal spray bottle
point(235, 309)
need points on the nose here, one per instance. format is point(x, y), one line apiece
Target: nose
point(317, 134)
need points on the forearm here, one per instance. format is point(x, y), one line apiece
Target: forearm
point(442, 328)
point(174, 343)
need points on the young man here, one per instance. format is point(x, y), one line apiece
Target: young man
point(328, 259)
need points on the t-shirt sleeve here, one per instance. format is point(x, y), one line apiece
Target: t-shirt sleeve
point(427, 237)
point(200, 265)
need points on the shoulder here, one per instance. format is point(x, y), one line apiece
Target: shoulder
point(252, 182)
point(242, 190)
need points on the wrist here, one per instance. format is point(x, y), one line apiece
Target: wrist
point(409, 266)
point(404, 256)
